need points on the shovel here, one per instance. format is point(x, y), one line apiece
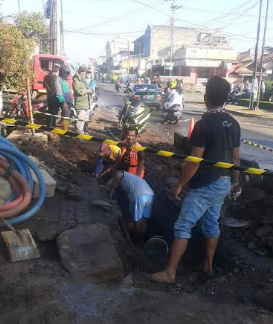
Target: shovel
point(19, 243)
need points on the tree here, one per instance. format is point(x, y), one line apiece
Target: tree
point(34, 26)
point(15, 57)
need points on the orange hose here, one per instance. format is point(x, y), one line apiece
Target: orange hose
point(17, 181)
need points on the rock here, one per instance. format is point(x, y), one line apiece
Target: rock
point(103, 205)
point(251, 245)
point(264, 231)
point(264, 298)
point(90, 252)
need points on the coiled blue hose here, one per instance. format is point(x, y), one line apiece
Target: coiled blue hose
point(23, 165)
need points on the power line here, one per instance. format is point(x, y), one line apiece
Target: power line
point(111, 19)
point(152, 7)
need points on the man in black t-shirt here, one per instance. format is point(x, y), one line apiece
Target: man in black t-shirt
point(216, 137)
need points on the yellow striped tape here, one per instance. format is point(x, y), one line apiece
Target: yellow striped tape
point(85, 137)
point(193, 159)
point(254, 171)
point(58, 131)
point(165, 153)
point(224, 165)
point(33, 126)
point(110, 142)
point(138, 148)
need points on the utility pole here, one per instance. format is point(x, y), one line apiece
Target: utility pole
point(19, 6)
point(173, 8)
point(56, 29)
point(139, 57)
point(262, 56)
point(251, 102)
point(62, 28)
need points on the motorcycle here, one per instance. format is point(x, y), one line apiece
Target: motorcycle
point(173, 107)
point(118, 86)
point(135, 113)
point(20, 108)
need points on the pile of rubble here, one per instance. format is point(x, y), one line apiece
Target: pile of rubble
point(255, 206)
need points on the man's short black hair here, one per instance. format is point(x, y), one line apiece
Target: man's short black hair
point(132, 129)
point(217, 91)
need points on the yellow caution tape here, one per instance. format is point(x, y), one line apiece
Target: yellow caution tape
point(110, 142)
point(254, 171)
point(193, 159)
point(224, 165)
point(162, 153)
point(33, 126)
point(138, 148)
point(9, 121)
point(85, 137)
point(58, 131)
point(257, 145)
point(165, 153)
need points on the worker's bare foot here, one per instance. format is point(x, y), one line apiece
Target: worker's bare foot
point(161, 277)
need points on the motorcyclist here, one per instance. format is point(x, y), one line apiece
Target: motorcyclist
point(118, 84)
point(173, 105)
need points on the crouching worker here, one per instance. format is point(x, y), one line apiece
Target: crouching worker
point(135, 198)
point(109, 155)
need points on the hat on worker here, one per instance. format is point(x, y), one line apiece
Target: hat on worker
point(82, 68)
point(104, 149)
point(173, 84)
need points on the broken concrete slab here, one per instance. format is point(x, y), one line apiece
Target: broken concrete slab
point(90, 252)
point(49, 181)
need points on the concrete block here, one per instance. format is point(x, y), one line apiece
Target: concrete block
point(49, 181)
point(90, 252)
point(38, 137)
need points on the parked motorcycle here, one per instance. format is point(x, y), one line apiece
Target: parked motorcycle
point(135, 113)
point(19, 106)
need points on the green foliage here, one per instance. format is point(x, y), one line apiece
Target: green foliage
point(268, 85)
point(15, 57)
point(34, 26)
point(262, 104)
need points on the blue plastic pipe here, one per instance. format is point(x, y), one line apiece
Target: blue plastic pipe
point(23, 163)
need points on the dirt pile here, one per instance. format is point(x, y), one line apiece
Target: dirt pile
point(255, 206)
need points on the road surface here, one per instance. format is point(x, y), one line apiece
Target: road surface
point(253, 128)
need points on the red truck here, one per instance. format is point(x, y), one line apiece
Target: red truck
point(42, 64)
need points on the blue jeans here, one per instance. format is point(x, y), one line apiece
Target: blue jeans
point(205, 202)
point(141, 207)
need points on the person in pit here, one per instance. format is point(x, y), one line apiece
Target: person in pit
point(216, 137)
point(131, 160)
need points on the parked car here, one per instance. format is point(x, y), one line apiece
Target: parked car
point(149, 94)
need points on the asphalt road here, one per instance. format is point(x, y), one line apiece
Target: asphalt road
point(253, 128)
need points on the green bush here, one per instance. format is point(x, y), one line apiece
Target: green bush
point(268, 85)
point(263, 104)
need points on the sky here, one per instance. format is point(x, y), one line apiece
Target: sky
point(89, 24)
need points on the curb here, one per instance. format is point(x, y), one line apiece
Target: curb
point(239, 113)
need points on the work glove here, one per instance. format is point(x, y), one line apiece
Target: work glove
point(235, 191)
